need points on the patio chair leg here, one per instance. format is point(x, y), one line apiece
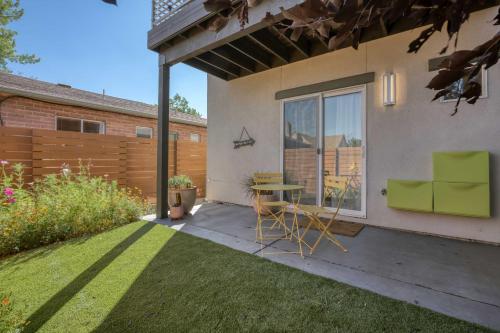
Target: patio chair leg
point(331, 237)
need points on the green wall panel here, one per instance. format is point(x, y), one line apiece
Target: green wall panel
point(465, 199)
point(461, 166)
point(412, 195)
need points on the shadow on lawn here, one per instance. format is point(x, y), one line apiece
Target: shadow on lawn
point(54, 304)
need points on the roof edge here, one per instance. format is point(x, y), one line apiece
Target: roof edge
point(90, 105)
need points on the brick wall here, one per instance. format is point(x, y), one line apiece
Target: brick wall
point(24, 112)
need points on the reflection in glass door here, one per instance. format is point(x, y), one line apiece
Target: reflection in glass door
point(343, 147)
point(300, 158)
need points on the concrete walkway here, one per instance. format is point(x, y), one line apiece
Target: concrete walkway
point(456, 278)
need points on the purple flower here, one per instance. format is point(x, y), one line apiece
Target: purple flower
point(8, 191)
point(3, 162)
point(11, 200)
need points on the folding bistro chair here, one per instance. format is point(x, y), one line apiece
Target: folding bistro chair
point(334, 186)
point(276, 209)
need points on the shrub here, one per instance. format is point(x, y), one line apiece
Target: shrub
point(10, 319)
point(59, 207)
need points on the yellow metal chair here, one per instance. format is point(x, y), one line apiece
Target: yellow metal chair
point(334, 186)
point(276, 209)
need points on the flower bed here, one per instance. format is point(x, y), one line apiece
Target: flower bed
point(59, 207)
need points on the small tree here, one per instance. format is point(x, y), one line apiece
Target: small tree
point(10, 11)
point(181, 104)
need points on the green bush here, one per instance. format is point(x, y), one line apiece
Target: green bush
point(59, 207)
point(181, 181)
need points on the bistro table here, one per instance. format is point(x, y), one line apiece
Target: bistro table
point(295, 193)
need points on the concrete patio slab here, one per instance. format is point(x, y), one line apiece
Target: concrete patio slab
point(456, 278)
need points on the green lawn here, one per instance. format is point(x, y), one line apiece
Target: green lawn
point(146, 278)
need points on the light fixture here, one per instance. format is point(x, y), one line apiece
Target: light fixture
point(389, 88)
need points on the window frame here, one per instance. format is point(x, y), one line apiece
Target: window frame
point(191, 137)
point(144, 127)
point(484, 87)
point(102, 129)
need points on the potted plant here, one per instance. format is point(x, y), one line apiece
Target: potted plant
point(252, 195)
point(176, 210)
point(183, 185)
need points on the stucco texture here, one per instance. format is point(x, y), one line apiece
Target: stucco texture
point(400, 138)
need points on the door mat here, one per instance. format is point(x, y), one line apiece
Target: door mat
point(344, 228)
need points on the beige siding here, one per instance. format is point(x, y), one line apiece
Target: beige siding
point(400, 139)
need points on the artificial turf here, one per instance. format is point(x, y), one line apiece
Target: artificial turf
point(148, 278)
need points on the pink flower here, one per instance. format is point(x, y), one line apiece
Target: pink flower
point(8, 191)
point(3, 162)
point(11, 200)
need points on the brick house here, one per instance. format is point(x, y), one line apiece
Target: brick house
point(32, 103)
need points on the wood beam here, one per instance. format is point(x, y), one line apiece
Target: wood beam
point(206, 68)
point(162, 144)
point(302, 45)
point(236, 57)
point(246, 47)
point(271, 44)
point(219, 63)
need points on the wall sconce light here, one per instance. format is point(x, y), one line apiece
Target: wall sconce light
point(389, 88)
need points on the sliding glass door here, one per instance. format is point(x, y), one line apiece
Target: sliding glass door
point(300, 146)
point(324, 135)
point(343, 147)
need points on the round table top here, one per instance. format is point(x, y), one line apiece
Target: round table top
point(277, 187)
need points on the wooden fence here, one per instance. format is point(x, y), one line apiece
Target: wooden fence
point(129, 161)
point(300, 164)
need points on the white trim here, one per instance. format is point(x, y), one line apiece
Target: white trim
point(102, 124)
point(484, 87)
point(320, 143)
point(144, 127)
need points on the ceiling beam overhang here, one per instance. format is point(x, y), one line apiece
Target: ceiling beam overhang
point(207, 40)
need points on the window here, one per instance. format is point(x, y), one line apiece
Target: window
point(144, 132)
point(173, 136)
point(458, 87)
point(80, 125)
point(195, 137)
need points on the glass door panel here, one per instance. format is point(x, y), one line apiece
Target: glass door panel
point(300, 158)
point(343, 147)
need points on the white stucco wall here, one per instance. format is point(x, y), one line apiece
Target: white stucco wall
point(400, 139)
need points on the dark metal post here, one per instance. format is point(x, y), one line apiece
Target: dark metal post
point(162, 145)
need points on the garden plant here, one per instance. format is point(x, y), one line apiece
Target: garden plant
point(60, 206)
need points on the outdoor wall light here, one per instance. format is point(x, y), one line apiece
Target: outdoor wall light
point(389, 88)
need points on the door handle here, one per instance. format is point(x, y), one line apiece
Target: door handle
point(318, 151)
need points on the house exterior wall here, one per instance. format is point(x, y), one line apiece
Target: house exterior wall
point(24, 112)
point(400, 138)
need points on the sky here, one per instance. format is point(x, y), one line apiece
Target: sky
point(94, 46)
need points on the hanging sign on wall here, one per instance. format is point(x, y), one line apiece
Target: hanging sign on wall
point(244, 140)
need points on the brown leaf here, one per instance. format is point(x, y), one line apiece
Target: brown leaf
point(458, 59)
point(417, 43)
point(269, 18)
point(253, 3)
point(218, 23)
point(472, 91)
point(323, 29)
point(444, 78)
point(296, 33)
point(216, 5)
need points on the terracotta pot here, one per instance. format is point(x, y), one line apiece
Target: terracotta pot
point(176, 212)
point(266, 197)
point(188, 197)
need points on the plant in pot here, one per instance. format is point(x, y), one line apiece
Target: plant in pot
point(184, 185)
point(176, 210)
point(252, 195)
